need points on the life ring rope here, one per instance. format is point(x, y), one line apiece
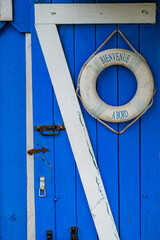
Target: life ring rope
point(95, 69)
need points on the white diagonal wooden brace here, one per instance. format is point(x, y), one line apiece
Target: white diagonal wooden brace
point(77, 131)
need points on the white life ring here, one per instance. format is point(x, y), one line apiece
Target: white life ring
point(145, 85)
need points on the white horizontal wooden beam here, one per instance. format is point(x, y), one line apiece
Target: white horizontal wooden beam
point(122, 13)
point(6, 10)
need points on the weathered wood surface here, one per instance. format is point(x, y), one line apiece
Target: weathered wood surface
point(95, 13)
point(13, 177)
point(30, 144)
point(129, 164)
point(6, 10)
point(77, 132)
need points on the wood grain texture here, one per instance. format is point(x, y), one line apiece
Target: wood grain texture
point(107, 141)
point(95, 13)
point(13, 179)
point(129, 158)
point(129, 164)
point(83, 49)
point(150, 138)
point(43, 106)
point(65, 173)
point(135, 209)
point(77, 133)
point(30, 144)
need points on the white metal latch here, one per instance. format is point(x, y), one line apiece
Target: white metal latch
point(42, 189)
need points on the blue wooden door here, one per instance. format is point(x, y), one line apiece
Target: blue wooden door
point(129, 163)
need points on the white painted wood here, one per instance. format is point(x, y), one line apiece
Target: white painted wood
point(77, 132)
point(6, 10)
point(95, 13)
point(29, 134)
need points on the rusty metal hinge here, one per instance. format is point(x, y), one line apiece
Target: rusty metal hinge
point(74, 233)
point(55, 128)
point(33, 151)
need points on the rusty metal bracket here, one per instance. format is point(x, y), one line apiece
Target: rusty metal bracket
point(55, 128)
point(74, 233)
point(33, 151)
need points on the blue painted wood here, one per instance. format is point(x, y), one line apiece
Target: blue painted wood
point(65, 175)
point(129, 164)
point(129, 160)
point(2, 24)
point(84, 47)
point(108, 141)
point(150, 138)
point(13, 211)
point(44, 163)
point(21, 15)
point(119, 157)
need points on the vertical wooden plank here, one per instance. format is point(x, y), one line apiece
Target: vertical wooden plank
point(65, 185)
point(129, 197)
point(107, 140)
point(150, 138)
point(29, 139)
point(44, 163)
point(84, 47)
point(13, 182)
